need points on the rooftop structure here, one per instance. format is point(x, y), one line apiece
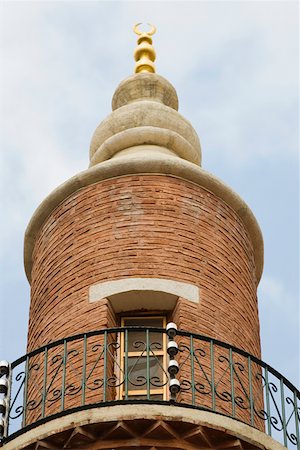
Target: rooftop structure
point(144, 329)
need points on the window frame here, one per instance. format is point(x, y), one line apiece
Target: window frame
point(121, 394)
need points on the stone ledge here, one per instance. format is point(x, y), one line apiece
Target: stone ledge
point(127, 413)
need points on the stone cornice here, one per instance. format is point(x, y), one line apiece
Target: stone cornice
point(160, 165)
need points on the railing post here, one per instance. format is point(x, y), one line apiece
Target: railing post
point(126, 365)
point(268, 403)
point(250, 391)
point(105, 366)
point(297, 419)
point(283, 412)
point(148, 364)
point(232, 382)
point(192, 369)
point(5, 389)
point(27, 372)
point(44, 396)
point(212, 366)
point(83, 382)
point(63, 381)
point(173, 368)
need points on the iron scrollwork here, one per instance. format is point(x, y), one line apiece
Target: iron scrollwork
point(212, 375)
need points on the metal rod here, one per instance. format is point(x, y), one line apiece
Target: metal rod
point(126, 364)
point(250, 391)
point(212, 368)
point(63, 381)
point(268, 403)
point(283, 413)
point(44, 397)
point(296, 420)
point(148, 364)
point(105, 367)
point(8, 405)
point(192, 369)
point(232, 383)
point(83, 382)
point(25, 392)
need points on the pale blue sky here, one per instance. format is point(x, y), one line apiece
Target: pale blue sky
point(235, 68)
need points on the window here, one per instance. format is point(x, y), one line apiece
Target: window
point(143, 362)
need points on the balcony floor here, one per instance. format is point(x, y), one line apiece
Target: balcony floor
point(143, 427)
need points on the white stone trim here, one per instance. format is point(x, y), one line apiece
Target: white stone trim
point(143, 293)
point(108, 288)
point(151, 412)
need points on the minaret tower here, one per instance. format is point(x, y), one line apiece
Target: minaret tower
point(144, 329)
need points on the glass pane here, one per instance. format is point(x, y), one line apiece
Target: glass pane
point(137, 342)
point(144, 397)
point(137, 373)
point(143, 322)
point(137, 339)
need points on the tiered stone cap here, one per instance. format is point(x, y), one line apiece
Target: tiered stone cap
point(145, 121)
point(144, 134)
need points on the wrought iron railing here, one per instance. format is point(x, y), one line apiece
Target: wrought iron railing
point(132, 365)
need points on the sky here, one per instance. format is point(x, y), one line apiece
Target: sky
point(235, 68)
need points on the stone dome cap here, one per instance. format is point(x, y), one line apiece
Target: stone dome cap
point(145, 119)
point(145, 86)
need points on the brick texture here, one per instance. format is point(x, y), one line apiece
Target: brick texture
point(144, 226)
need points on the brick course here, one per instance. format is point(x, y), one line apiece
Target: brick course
point(143, 226)
point(140, 226)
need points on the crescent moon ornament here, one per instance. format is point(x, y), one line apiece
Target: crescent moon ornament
point(144, 54)
point(139, 32)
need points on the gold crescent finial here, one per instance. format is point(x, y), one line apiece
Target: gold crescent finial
point(139, 32)
point(144, 53)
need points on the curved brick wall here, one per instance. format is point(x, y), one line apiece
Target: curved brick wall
point(143, 226)
point(140, 226)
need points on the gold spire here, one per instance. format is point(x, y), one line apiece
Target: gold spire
point(144, 54)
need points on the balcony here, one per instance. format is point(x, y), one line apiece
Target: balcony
point(139, 365)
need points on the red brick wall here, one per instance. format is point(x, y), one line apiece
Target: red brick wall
point(144, 226)
point(137, 226)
